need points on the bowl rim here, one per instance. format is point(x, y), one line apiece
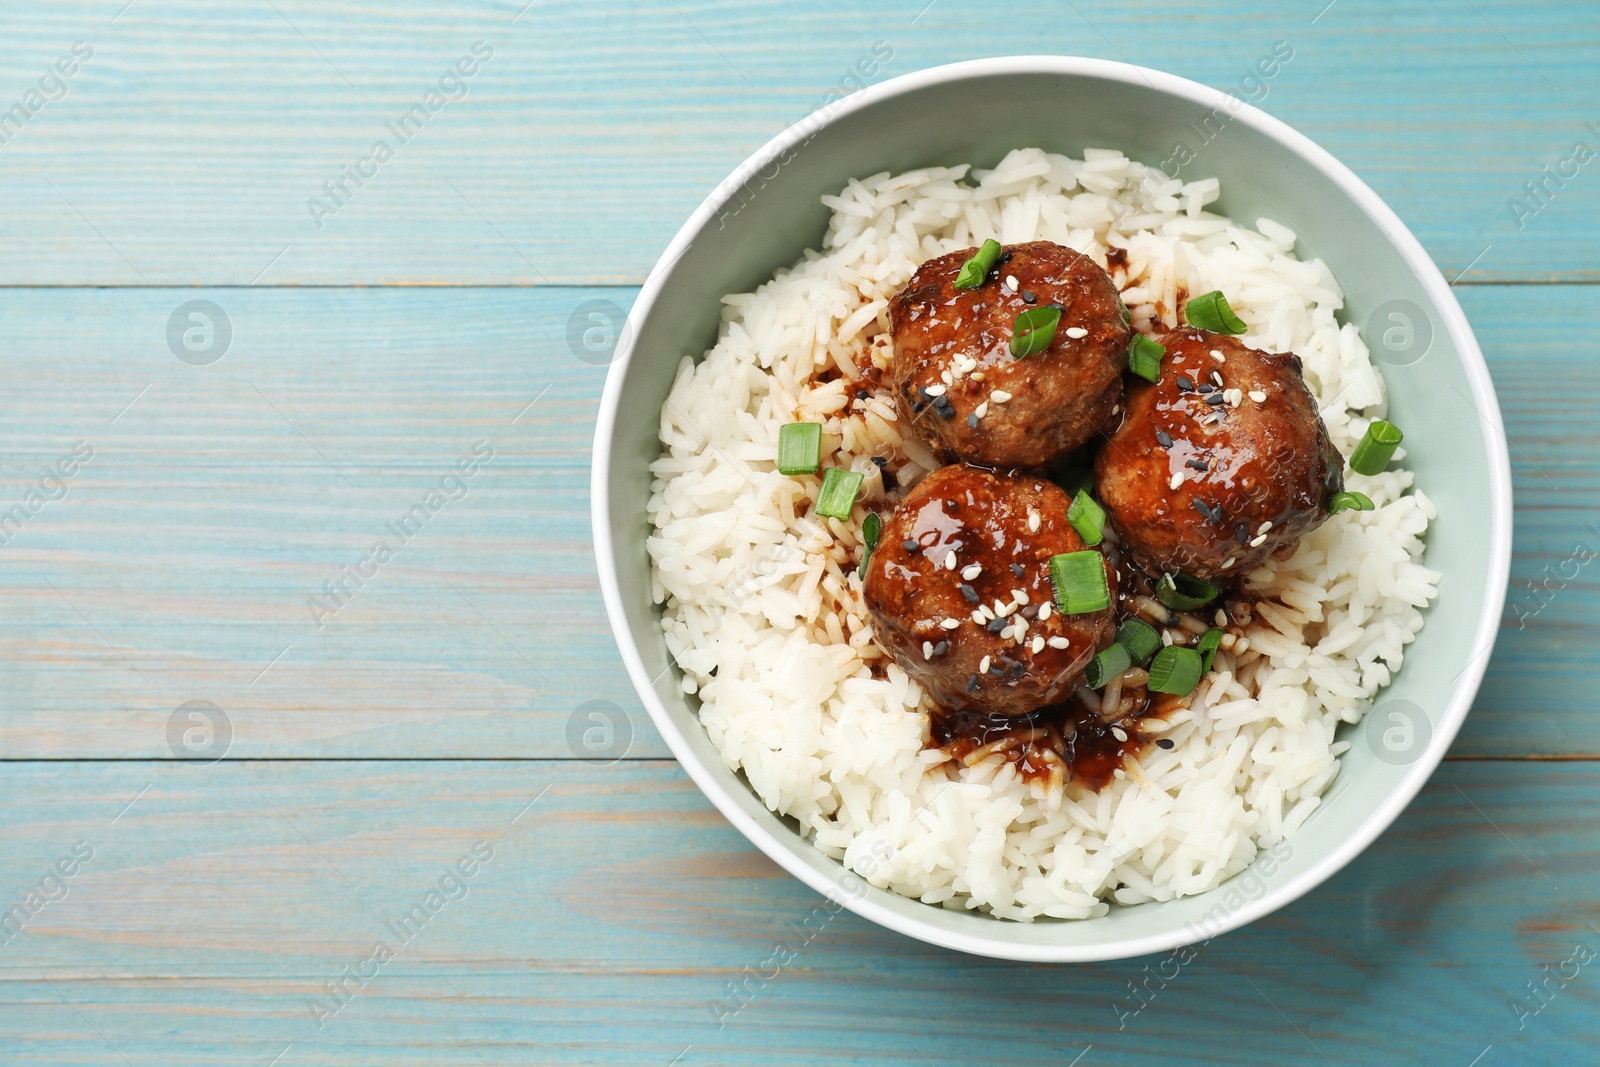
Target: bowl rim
point(1433, 284)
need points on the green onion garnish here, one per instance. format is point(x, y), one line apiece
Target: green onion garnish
point(838, 493)
point(1080, 581)
point(1087, 517)
point(978, 266)
point(1210, 311)
point(1107, 665)
point(1034, 330)
point(871, 530)
point(1180, 592)
point(1376, 448)
point(1210, 641)
point(1127, 316)
point(1140, 639)
point(1144, 357)
point(1349, 502)
point(800, 448)
point(1176, 670)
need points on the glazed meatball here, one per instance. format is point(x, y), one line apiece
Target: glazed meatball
point(1220, 463)
point(956, 383)
point(960, 593)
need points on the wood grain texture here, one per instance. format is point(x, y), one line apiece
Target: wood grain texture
point(186, 150)
point(237, 489)
point(616, 910)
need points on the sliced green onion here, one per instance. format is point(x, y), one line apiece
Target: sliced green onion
point(1087, 517)
point(1210, 641)
point(1180, 592)
point(871, 530)
point(1080, 581)
point(1349, 502)
point(1210, 311)
point(978, 266)
point(1144, 357)
point(800, 448)
point(1034, 330)
point(1107, 665)
point(1376, 448)
point(1176, 670)
point(1140, 639)
point(1127, 316)
point(838, 493)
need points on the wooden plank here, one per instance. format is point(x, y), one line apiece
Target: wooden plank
point(216, 504)
point(613, 915)
point(188, 148)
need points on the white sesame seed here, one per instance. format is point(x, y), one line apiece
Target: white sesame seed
point(1120, 735)
point(1075, 332)
point(1166, 637)
point(1264, 527)
point(1216, 376)
point(1218, 356)
point(927, 650)
point(983, 665)
point(977, 375)
point(988, 615)
point(934, 390)
point(1019, 595)
point(1235, 397)
point(982, 409)
point(1044, 611)
point(1115, 408)
point(999, 396)
point(1037, 645)
point(1177, 480)
point(1258, 541)
point(950, 560)
point(1011, 282)
point(977, 617)
point(946, 378)
point(971, 571)
point(1222, 617)
point(1002, 609)
point(1258, 396)
point(950, 624)
point(1033, 521)
point(1226, 564)
point(1058, 642)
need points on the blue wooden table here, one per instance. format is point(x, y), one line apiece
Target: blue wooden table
point(238, 347)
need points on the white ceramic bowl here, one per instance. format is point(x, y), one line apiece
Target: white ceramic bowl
point(767, 212)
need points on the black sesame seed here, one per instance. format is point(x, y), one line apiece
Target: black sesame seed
point(1164, 438)
point(1030, 612)
point(911, 546)
point(1216, 398)
point(1241, 534)
point(1163, 742)
point(996, 625)
point(1185, 385)
point(862, 394)
point(946, 412)
point(1206, 387)
point(1202, 507)
point(970, 593)
point(941, 648)
point(1017, 569)
point(1005, 257)
point(995, 669)
point(1197, 464)
point(1028, 297)
point(972, 684)
point(881, 461)
point(714, 670)
point(917, 406)
point(972, 421)
point(922, 391)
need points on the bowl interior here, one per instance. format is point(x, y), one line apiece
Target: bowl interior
point(769, 212)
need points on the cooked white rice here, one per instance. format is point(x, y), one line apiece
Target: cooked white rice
point(763, 612)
